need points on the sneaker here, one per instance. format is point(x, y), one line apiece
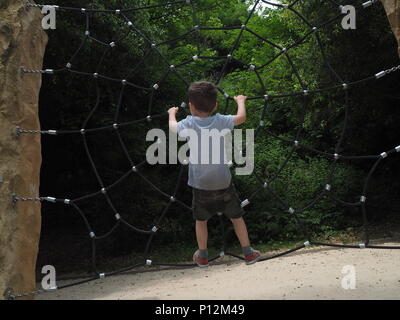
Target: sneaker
point(201, 262)
point(253, 258)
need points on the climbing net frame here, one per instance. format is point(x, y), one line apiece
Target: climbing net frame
point(265, 186)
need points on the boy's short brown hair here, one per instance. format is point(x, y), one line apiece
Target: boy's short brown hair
point(203, 95)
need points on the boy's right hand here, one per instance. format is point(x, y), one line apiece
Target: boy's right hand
point(173, 110)
point(240, 99)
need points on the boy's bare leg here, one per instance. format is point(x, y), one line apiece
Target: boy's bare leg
point(201, 234)
point(241, 232)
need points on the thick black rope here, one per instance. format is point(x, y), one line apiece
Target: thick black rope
point(265, 186)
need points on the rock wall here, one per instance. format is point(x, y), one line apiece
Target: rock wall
point(392, 8)
point(22, 43)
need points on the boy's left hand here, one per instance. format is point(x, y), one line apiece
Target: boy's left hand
point(240, 99)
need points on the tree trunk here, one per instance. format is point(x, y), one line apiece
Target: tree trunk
point(22, 43)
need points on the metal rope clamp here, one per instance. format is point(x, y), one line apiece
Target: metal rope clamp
point(9, 294)
point(52, 288)
point(245, 203)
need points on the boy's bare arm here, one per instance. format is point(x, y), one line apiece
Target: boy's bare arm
point(241, 113)
point(173, 124)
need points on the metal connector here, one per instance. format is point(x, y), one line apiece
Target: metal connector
point(380, 74)
point(369, 3)
point(245, 203)
point(52, 288)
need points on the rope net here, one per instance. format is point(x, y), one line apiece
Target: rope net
point(264, 99)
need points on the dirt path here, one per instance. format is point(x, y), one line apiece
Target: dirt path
point(310, 274)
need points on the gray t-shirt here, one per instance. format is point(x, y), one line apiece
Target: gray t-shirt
point(208, 168)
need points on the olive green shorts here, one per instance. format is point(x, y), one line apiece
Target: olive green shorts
point(208, 203)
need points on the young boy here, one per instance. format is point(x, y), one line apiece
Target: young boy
point(213, 191)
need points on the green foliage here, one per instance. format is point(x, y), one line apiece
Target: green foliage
point(300, 181)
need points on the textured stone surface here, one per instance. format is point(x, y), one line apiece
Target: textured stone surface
point(392, 8)
point(22, 43)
